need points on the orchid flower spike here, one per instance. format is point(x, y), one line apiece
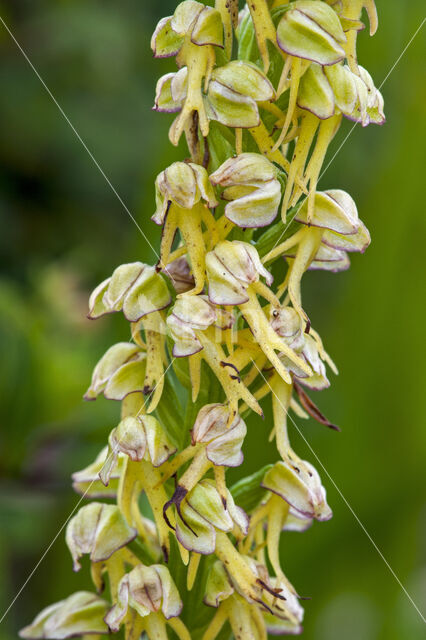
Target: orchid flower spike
point(213, 338)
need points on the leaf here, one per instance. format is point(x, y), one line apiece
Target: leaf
point(247, 492)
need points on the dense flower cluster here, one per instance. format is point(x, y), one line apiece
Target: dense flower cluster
point(258, 95)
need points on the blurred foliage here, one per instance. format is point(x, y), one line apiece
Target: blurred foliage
point(63, 229)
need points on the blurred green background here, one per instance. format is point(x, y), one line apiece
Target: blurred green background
point(63, 230)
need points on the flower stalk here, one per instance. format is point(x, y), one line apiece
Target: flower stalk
point(259, 95)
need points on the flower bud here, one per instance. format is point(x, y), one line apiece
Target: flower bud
point(146, 590)
point(223, 442)
point(81, 614)
point(87, 482)
point(184, 184)
point(251, 185)
point(299, 484)
point(136, 288)
point(231, 268)
point(189, 314)
point(99, 530)
point(202, 23)
point(312, 30)
point(139, 437)
point(119, 372)
point(202, 512)
point(355, 95)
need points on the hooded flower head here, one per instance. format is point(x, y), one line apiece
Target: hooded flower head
point(234, 92)
point(119, 372)
point(223, 441)
point(135, 288)
point(335, 212)
point(202, 512)
point(183, 184)
point(251, 188)
point(99, 530)
point(139, 437)
point(287, 323)
point(180, 192)
point(82, 614)
point(189, 315)
point(231, 268)
point(298, 483)
point(325, 91)
point(147, 590)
